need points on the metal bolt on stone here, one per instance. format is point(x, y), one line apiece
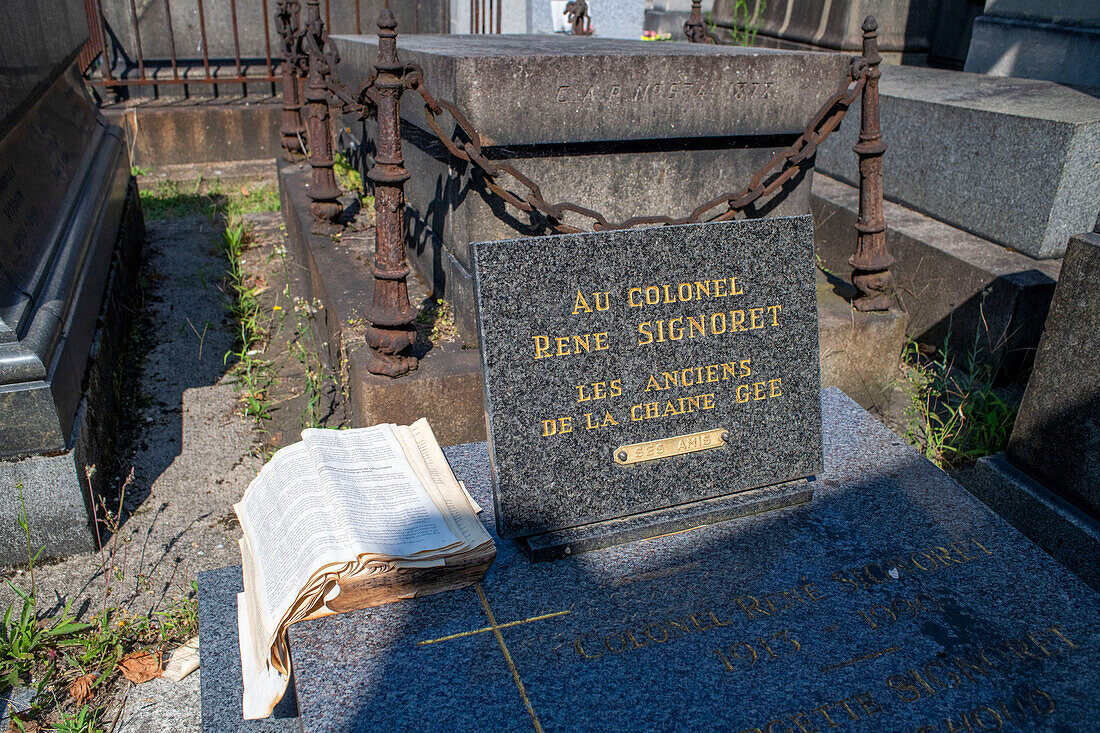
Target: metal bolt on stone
point(324, 193)
point(694, 28)
point(293, 129)
point(390, 330)
point(871, 262)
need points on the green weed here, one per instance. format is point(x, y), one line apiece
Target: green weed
point(313, 366)
point(53, 652)
point(346, 175)
point(24, 641)
point(439, 316)
point(746, 22)
point(85, 720)
point(168, 199)
point(953, 415)
point(253, 374)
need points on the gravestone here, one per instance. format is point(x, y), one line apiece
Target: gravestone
point(833, 24)
point(893, 601)
point(658, 376)
point(68, 247)
point(1048, 480)
point(610, 18)
point(947, 130)
point(627, 127)
point(1055, 40)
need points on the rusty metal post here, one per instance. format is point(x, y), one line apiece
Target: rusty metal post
point(324, 193)
point(871, 262)
point(694, 28)
point(293, 129)
point(390, 315)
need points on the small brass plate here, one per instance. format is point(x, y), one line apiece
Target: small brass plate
point(677, 445)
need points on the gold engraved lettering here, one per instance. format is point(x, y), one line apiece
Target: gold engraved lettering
point(666, 447)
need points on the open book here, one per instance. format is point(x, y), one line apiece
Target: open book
point(347, 519)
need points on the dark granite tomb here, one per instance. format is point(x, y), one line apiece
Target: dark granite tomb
point(1056, 437)
point(628, 128)
point(69, 243)
point(1047, 482)
point(638, 370)
point(894, 601)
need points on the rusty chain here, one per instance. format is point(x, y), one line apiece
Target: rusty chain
point(783, 166)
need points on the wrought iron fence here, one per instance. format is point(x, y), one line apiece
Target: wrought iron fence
point(485, 16)
point(201, 44)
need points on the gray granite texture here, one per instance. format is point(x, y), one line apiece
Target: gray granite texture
point(954, 286)
point(904, 25)
point(531, 90)
point(1057, 40)
point(1070, 535)
point(617, 18)
point(1010, 160)
point(610, 18)
point(1056, 437)
point(629, 128)
point(688, 328)
point(222, 688)
point(894, 600)
point(680, 518)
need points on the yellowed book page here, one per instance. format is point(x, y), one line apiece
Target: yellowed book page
point(434, 480)
point(264, 686)
point(290, 527)
point(458, 503)
point(384, 508)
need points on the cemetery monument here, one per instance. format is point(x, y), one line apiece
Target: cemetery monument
point(69, 248)
point(742, 552)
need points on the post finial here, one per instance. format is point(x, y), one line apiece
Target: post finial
point(386, 18)
point(870, 25)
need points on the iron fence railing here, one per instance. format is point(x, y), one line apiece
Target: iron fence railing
point(390, 332)
point(201, 44)
point(485, 16)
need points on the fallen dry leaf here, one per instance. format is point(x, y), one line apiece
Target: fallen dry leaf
point(81, 688)
point(140, 667)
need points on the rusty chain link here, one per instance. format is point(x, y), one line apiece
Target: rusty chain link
point(783, 166)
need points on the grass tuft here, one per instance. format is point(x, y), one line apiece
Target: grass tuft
point(953, 415)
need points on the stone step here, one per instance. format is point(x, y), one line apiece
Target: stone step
point(950, 282)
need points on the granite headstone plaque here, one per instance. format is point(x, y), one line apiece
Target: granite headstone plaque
point(632, 371)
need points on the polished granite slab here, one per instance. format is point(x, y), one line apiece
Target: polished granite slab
point(894, 600)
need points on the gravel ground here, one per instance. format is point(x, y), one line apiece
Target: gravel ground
point(191, 451)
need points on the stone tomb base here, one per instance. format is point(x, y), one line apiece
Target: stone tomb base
point(680, 518)
point(1056, 525)
point(446, 388)
point(893, 600)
